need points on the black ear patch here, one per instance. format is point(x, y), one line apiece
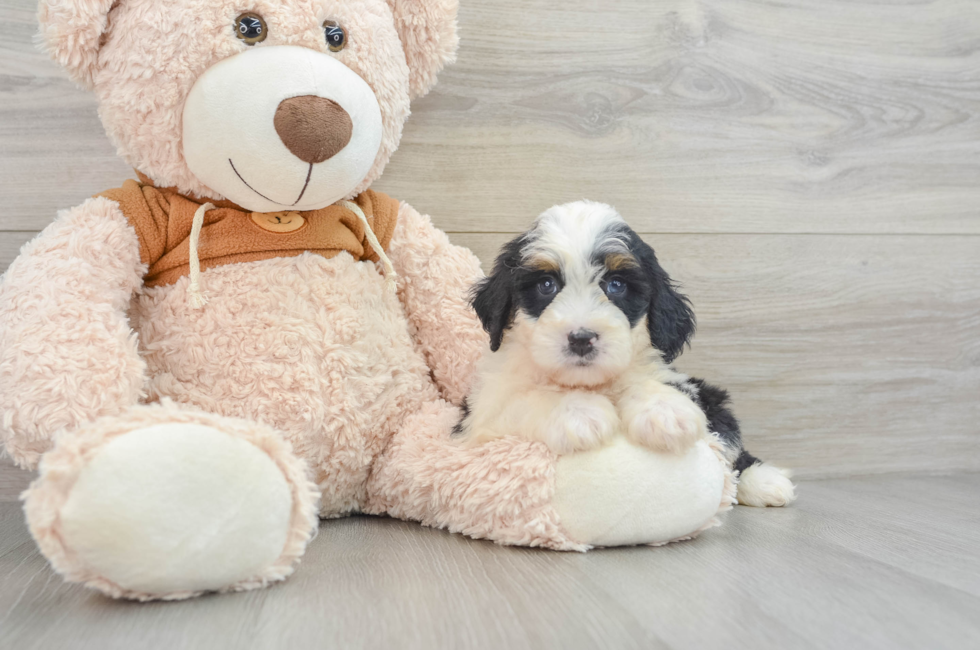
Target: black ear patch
point(495, 297)
point(670, 319)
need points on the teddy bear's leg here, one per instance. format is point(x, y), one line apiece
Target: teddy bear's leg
point(161, 503)
point(514, 491)
point(502, 490)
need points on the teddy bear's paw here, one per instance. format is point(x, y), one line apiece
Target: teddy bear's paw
point(581, 421)
point(666, 423)
point(172, 510)
point(763, 485)
point(624, 494)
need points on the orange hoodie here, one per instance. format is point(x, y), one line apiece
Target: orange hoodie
point(162, 219)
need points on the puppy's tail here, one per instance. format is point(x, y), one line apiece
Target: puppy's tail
point(744, 461)
point(761, 484)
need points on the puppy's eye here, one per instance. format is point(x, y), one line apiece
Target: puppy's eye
point(250, 28)
point(335, 34)
point(615, 287)
point(547, 286)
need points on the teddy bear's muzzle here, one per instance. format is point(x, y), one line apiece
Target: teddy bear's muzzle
point(281, 127)
point(313, 128)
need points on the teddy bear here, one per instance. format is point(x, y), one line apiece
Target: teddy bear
point(206, 360)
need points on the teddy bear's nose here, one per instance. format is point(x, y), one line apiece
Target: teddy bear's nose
point(313, 128)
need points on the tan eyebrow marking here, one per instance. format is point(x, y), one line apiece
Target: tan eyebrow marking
point(619, 261)
point(543, 264)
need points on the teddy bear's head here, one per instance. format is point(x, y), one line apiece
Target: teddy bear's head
point(271, 104)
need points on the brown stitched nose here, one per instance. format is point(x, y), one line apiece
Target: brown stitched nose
point(313, 128)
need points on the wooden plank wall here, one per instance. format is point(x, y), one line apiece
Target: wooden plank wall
point(808, 169)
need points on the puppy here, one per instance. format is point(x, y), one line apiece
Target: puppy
point(583, 325)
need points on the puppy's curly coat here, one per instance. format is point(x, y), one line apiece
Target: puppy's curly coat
point(584, 323)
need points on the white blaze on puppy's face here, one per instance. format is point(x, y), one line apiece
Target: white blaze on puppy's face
point(582, 313)
point(572, 304)
point(580, 337)
point(580, 297)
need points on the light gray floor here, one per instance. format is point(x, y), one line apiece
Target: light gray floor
point(879, 562)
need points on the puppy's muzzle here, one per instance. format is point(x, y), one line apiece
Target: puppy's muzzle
point(582, 342)
point(313, 128)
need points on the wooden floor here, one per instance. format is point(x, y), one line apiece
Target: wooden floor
point(877, 562)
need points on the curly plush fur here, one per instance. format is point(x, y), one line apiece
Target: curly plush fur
point(329, 385)
point(62, 467)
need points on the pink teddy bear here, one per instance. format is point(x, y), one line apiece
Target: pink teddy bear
point(206, 360)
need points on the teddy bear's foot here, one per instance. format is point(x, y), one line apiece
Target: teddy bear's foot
point(624, 494)
point(163, 504)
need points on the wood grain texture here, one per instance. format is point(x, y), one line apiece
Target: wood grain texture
point(844, 354)
point(53, 151)
point(883, 562)
point(822, 159)
point(706, 116)
point(692, 115)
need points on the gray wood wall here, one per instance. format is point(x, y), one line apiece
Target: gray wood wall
point(808, 169)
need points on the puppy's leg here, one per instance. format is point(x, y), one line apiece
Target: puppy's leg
point(661, 417)
point(565, 421)
point(580, 421)
point(761, 484)
point(716, 405)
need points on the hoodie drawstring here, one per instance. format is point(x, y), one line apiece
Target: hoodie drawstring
point(198, 298)
point(194, 294)
point(390, 275)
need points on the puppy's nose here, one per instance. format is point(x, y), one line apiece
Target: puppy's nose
point(313, 128)
point(581, 342)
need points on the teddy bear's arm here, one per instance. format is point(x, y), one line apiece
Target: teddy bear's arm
point(434, 282)
point(67, 351)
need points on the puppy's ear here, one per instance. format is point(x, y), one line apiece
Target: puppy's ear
point(494, 297)
point(670, 319)
point(494, 304)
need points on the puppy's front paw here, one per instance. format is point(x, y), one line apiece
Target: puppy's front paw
point(665, 423)
point(581, 421)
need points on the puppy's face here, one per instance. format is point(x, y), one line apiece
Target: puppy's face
point(579, 294)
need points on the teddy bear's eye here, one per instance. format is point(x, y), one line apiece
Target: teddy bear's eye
point(335, 35)
point(250, 28)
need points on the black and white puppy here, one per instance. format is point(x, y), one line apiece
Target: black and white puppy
point(583, 325)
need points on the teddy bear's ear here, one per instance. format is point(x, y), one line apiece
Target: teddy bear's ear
point(428, 32)
point(71, 32)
